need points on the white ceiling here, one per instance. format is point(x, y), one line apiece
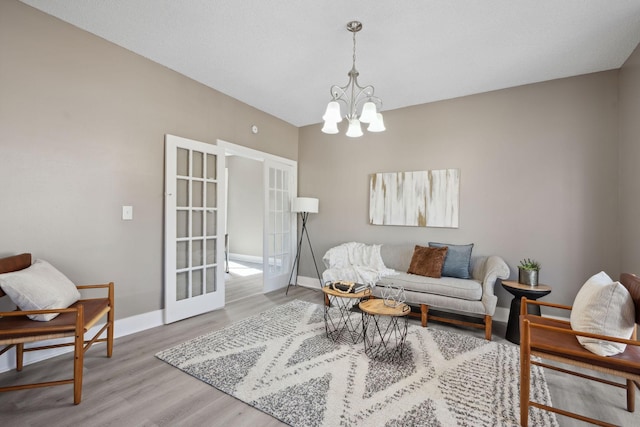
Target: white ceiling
point(282, 56)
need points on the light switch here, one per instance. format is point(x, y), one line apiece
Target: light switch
point(127, 213)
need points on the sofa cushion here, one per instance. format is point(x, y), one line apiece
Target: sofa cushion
point(467, 289)
point(457, 261)
point(427, 261)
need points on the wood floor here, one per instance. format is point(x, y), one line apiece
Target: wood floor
point(243, 280)
point(136, 389)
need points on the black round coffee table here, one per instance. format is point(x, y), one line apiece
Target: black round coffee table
point(518, 290)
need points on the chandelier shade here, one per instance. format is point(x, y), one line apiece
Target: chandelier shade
point(330, 127)
point(369, 113)
point(355, 98)
point(332, 114)
point(377, 125)
point(354, 130)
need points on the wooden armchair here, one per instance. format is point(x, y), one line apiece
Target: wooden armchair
point(554, 340)
point(16, 328)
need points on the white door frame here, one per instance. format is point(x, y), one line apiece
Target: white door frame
point(250, 153)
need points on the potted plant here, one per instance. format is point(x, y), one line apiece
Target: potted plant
point(528, 272)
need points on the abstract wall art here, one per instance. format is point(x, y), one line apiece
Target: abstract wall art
point(419, 199)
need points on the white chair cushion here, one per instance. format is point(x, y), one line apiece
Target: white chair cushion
point(604, 307)
point(39, 287)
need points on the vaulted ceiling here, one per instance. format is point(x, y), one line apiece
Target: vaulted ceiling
point(282, 56)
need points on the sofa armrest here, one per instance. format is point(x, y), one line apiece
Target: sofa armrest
point(333, 256)
point(494, 268)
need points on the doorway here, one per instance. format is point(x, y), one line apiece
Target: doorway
point(260, 189)
point(245, 208)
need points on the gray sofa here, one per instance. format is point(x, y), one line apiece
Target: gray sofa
point(473, 296)
point(469, 302)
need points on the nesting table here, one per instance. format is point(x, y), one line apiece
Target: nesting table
point(339, 320)
point(384, 328)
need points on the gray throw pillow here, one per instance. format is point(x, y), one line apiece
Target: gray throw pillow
point(457, 261)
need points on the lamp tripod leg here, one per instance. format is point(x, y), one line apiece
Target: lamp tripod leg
point(313, 256)
point(297, 259)
point(296, 262)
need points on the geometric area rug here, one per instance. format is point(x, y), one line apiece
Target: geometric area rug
point(281, 362)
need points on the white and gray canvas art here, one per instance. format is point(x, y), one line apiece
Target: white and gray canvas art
point(419, 199)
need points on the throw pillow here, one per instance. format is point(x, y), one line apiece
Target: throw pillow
point(39, 287)
point(457, 261)
point(604, 307)
point(427, 261)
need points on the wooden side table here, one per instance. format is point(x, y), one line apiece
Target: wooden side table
point(518, 290)
point(338, 307)
point(384, 329)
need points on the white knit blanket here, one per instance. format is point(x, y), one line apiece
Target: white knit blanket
point(355, 262)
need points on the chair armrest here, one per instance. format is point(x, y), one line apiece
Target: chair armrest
point(527, 324)
point(102, 285)
point(525, 301)
point(108, 286)
point(18, 312)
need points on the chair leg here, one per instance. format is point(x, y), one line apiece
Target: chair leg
point(631, 396)
point(19, 356)
point(111, 320)
point(78, 359)
point(525, 372)
point(487, 327)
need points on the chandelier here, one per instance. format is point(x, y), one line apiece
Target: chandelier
point(355, 98)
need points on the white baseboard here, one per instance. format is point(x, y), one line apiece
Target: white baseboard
point(138, 323)
point(501, 315)
point(246, 258)
point(123, 327)
point(309, 282)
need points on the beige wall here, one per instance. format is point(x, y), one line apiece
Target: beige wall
point(82, 125)
point(246, 206)
point(629, 163)
point(539, 176)
point(83, 121)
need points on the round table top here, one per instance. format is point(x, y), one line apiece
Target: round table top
point(377, 307)
point(519, 290)
point(362, 294)
point(522, 287)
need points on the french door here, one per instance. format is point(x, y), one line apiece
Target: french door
point(194, 222)
point(279, 224)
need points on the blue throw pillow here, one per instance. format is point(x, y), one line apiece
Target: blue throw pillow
point(457, 261)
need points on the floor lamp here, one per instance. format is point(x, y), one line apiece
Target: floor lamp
point(304, 206)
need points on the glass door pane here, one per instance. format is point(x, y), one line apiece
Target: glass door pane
point(278, 225)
